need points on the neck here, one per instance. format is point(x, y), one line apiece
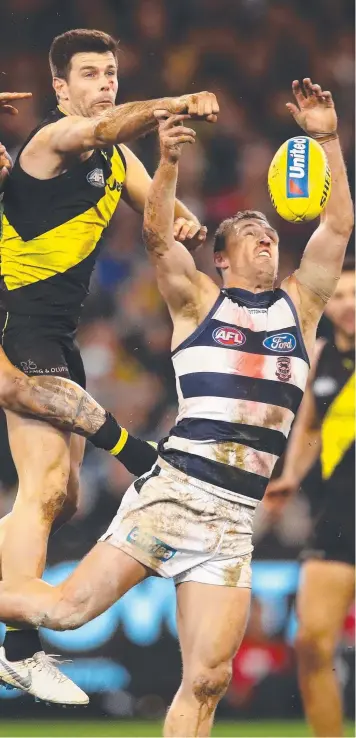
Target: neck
point(259, 285)
point(344, 342)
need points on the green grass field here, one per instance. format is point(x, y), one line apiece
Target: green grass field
point(104, 729)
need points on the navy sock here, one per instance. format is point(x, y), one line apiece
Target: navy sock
point(21, 644)
point(137, 456)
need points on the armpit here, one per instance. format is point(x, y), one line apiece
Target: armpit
point(317, 279)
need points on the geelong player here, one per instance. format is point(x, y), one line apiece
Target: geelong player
point(192, 520)
point(63, 191)
point(325, 425)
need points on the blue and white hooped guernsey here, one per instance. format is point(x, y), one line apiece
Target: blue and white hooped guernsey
point(240, 379)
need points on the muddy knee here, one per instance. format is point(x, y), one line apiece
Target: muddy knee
point(314, 648)
point(210, 685)
point(46, 492)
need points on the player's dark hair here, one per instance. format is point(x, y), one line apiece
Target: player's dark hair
point(79, 40)
point(227, 226)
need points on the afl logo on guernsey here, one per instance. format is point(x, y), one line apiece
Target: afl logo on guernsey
point(298, 167)
point(96, 178)
point(228, 336)
point(281, 343)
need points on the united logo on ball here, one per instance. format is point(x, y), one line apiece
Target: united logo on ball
point(299, 181)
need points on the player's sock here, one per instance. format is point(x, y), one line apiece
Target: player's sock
point(137, 456)
point(21, 644)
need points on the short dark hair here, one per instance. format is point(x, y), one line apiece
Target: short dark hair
point(64, 47)
point(229, 223)
point(227, 226)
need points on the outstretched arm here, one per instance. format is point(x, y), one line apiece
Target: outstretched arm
point(323, 257)
point(178, 279)
point(75, 134)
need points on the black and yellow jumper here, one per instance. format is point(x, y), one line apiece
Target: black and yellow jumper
point(334, 394)
point(50, 241)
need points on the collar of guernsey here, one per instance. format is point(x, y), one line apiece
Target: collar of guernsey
point(52, 230)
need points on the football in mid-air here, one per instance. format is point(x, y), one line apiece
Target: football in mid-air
point(299, 181)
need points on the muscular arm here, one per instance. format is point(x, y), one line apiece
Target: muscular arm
point(137, 186)
point(189, 294)
point(74, 135)
point(323, 257)
point(315, 280)
point(177, 276)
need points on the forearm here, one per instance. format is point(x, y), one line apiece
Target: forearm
point(302, 452)
point(338, 214)
point(324, 255)
point(160, 206)
point(129, 121)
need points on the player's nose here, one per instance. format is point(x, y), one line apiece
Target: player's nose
point(105, 84)
point(265, 241)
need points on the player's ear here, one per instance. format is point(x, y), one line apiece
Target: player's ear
point(60, 87)
point(220, 260)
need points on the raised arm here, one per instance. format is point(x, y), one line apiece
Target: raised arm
point(323, 257)
point(187, 228)
point(185, 290)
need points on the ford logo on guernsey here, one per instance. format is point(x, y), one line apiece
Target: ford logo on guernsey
point(282, 343)
point(228, 336)
point(298, 167)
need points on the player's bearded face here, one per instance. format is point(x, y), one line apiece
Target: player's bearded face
point(92, 84)
point(341, 306)
point(252, 251)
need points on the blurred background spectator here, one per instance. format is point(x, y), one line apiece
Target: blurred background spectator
point(247, 52)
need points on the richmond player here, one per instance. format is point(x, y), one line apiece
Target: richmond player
point(325, 426)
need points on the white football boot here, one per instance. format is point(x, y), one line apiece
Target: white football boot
point(40, 676)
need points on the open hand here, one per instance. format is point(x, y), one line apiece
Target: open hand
point(6, 98)
point(315, 110)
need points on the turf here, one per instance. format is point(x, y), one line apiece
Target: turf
point(107, 728)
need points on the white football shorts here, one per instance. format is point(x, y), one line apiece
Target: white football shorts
point(182, 528)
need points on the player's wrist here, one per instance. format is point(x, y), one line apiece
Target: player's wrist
point(324, 136)
point(169, 158)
